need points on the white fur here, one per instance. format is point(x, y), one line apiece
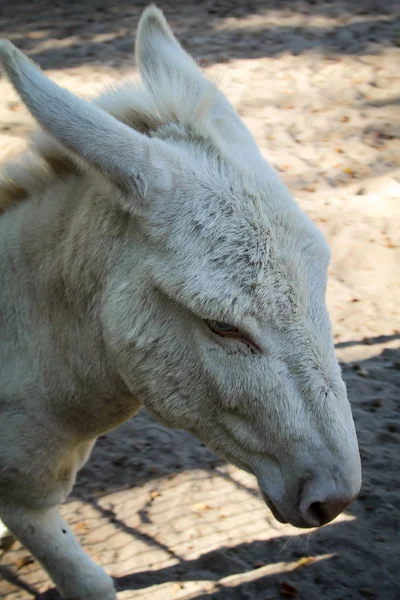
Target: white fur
point(148, 212)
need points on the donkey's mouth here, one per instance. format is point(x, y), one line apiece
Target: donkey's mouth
point(273, 509)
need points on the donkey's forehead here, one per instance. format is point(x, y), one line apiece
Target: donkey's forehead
point(241, 246)
point(251, 215)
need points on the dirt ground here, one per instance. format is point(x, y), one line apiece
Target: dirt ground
point(318, 84)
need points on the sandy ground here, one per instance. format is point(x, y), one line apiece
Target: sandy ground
point(318, 84)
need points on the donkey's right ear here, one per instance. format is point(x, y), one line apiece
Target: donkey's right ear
point(137, 165)
point(168, 70)
point(159, 54)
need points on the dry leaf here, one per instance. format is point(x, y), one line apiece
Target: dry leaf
point(198, 507)
point(360, 371)
point(14, 106)
point(257, 564)
point(286, 589)
point(81, 528)
point(305, 560)
point(178, 586)
point(23, 561)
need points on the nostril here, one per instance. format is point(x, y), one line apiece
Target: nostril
point(316, 511)
point(321, 513)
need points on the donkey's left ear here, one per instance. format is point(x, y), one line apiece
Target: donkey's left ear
point(138, 166)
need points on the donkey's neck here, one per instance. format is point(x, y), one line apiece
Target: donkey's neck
point(66, 238)
point(58, 255)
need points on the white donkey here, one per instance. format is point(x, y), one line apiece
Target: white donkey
point(158, 261)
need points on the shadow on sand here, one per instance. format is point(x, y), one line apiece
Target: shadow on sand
point(259, 568)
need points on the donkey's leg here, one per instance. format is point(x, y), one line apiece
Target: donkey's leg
point(47, 536)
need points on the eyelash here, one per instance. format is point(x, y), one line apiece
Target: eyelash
point(229, 331)
point(222, 329)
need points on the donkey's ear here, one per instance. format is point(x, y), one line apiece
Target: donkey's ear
point(168, 70)
point(179, 88)
point(159, 54)
point(131, 161)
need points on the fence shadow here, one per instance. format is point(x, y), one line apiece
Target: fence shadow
point(362, 551)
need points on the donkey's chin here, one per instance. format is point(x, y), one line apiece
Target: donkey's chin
point(273, 509)
point(298, 522)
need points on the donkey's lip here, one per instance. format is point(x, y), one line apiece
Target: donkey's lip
point(273, 509)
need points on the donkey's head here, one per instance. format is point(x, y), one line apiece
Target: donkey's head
point(218, 320)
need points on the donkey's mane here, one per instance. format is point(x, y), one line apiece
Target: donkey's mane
point(152, 110)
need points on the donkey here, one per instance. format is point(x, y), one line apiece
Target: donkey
point(157, 260)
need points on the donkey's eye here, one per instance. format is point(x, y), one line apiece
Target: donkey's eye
point(227, 330)
point(222, 328)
